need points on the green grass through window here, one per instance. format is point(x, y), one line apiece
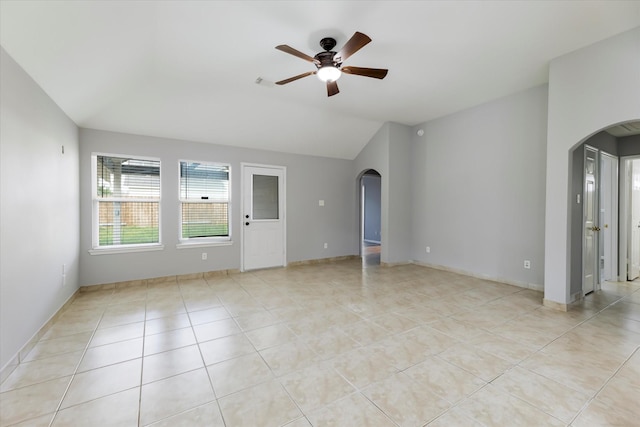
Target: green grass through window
point(129, 235)
point(204, 230)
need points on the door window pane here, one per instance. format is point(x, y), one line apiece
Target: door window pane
point(265, 197)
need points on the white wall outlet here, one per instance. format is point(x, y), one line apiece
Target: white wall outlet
point(326, 245)
point(204, 256)
point(320, 202)
point(428, 249)
point(64, 275)
point(527, 264)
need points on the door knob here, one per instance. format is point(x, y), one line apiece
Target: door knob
point(246, 223)
point(246, 216)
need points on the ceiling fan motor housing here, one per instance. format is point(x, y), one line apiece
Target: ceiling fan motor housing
point(325, 59)
point(328, 43)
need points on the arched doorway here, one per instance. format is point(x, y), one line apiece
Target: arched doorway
point(597, 253)
point(370, 184)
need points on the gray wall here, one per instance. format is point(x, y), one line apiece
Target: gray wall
point(577, 188)
point(629, 145)
point(479, 188)
point(371, 184)
point(309, 226)
point(603, 141)
point(39, 208)
point(400, 200)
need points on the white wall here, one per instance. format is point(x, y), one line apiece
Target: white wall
point(39, 208)
point(309, 226)
point(478, 189)
point(589, 90)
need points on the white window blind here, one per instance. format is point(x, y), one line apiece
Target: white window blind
point(204, 200)
point(126, 201)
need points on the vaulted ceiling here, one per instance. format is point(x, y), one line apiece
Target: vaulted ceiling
point(189, 69)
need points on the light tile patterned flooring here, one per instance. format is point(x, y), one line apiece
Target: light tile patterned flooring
point(333, 345)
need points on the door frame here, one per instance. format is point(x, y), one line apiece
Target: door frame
point(624, 213)
point(243, 209)
point(363, 205)
point(624, 218)
point(596, 218)
point(612, 227)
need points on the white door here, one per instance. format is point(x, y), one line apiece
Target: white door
point(590, 242)
point(263, 221)
point(608, 217)
point(634, 221)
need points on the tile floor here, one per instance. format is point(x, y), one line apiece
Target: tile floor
point(332, 345)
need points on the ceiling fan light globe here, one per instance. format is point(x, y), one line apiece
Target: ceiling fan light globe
point(329, 74)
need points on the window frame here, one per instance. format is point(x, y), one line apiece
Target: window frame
point(96, 248)
point(190, 242)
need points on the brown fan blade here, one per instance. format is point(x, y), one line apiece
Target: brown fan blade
point(376, 73)
point(355, 43)
point(332, 88)
point(294, 78)
point(294, 52)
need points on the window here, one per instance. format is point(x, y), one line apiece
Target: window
point(204, 200)
point(126, 202)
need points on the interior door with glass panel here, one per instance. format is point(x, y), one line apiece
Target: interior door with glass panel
point(263, 219)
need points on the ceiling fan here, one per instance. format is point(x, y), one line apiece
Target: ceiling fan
point(329, 63)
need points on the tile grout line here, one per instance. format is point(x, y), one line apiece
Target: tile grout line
point(84, 352)
point(274, 377)
point(595, 396)
point(544, 376)
point(144, 339)
point(204, 363)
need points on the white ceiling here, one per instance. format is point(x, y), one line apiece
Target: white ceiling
point(188, 69)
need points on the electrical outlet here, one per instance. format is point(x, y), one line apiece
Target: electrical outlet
point(527, 264)
point(428, 249)
point(326, 245)
point(64, 275)
point(204, 256)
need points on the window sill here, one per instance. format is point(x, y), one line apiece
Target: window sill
point(187, 245)
point(126, 249)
